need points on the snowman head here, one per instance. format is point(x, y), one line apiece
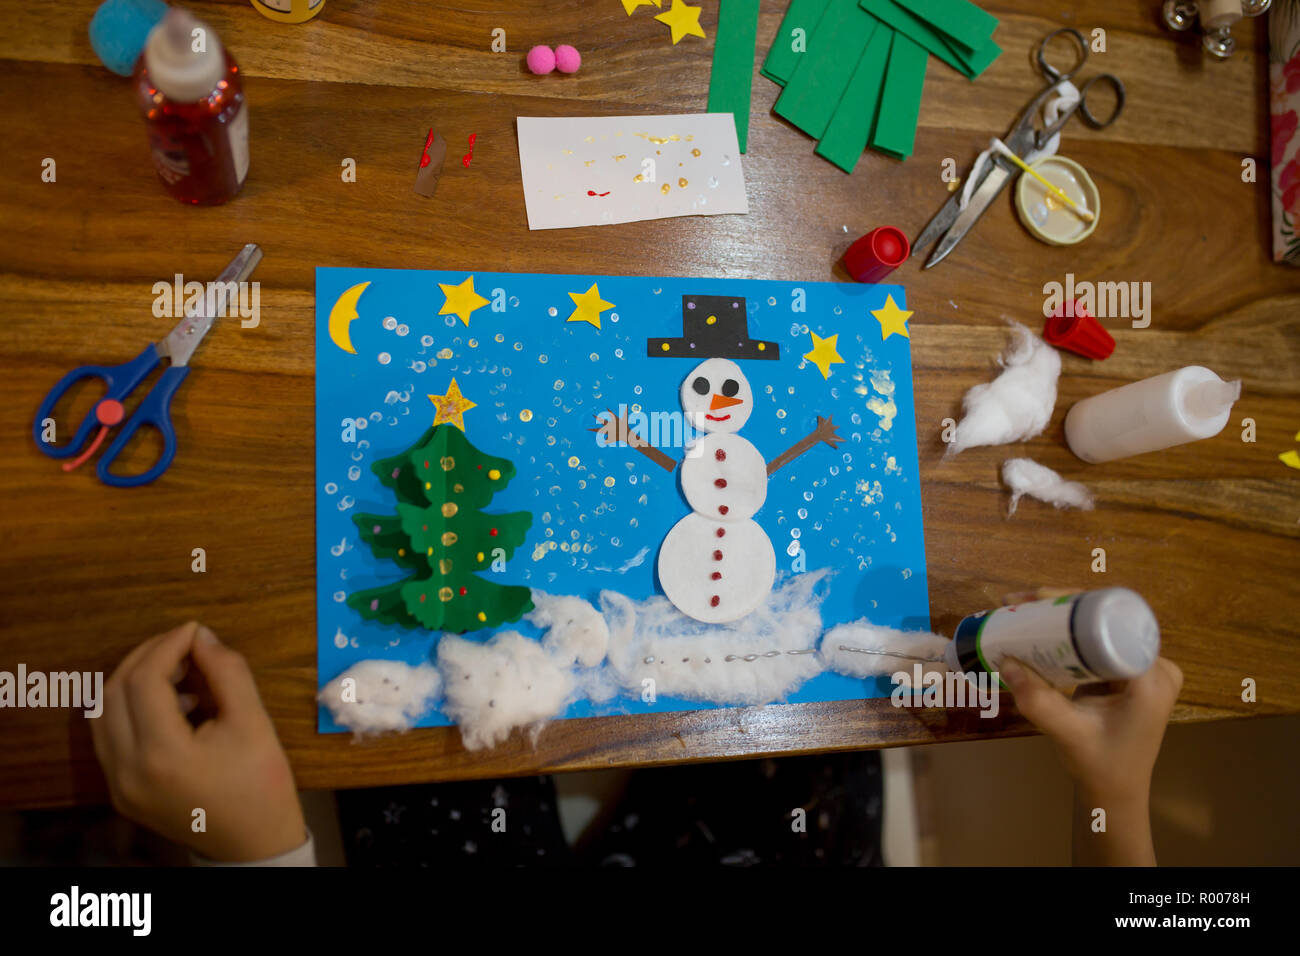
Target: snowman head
point(716, 396)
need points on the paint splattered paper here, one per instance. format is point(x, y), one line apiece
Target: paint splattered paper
point(591, 171)
point(526, 363)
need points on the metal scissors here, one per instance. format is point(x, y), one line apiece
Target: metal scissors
point(155, 409)
point(952, 222)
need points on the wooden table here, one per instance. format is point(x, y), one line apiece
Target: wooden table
point(1207, 532)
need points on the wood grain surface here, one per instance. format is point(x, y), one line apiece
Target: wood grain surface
point(1207, 532)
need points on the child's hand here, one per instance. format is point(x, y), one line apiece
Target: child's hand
point(1107, 736)
point(161, 769)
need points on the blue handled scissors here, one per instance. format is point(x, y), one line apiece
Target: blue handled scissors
point(122, 380)
point(952, 222)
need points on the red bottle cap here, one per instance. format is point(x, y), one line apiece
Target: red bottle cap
point(877, 254)
point(1071, 327)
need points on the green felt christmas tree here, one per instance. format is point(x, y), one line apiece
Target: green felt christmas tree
point(441, 534)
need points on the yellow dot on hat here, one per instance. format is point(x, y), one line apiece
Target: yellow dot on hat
point(711, 320)
point(762, 346)
point(664, 346)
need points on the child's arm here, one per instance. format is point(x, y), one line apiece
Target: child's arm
point(161, 769)
point(1108, 738)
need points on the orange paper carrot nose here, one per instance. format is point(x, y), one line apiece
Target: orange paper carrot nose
point(721, 401)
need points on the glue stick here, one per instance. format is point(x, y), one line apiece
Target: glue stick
point(1170, 409)
point(1082, 638)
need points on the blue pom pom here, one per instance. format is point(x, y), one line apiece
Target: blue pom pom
point(119, 28)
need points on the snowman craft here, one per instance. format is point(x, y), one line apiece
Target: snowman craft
point(717, 564)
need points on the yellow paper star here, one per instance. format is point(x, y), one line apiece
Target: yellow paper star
point(630, 5)
point(823, 354)
point(683, 20)
point(462, 300)
point(588, 306)
point(1290, 458)
point(452, 406)
point(892, 319)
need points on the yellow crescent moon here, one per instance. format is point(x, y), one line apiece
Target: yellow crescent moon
point(342, 314)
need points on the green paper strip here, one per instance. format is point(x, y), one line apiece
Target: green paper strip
point(958, 19)
point(910, 25)
point(851, 126)
point(783, 58)
point(814, 91)
point(900, 100)
point(732, 78)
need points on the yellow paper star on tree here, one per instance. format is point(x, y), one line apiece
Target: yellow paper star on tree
point(823, 353)
point(452, 406)
point(683, 20)
point(630, 5)
point(892, 319)
point(462, 300)
point(588, 306)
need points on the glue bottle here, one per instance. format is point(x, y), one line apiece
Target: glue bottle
point(1082, 638)
point(1170, 409)
point(190, 92)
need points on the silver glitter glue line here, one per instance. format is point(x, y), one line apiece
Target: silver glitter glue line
point(873, 650)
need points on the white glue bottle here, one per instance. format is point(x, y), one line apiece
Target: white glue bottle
point(1170, 409)
point(1083, 638)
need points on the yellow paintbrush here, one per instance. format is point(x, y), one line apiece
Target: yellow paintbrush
point(1081, 211)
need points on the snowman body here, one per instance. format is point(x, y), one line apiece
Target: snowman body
point(717, 564)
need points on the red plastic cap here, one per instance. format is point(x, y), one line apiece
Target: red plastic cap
point(877, 254)
point(1071, 327)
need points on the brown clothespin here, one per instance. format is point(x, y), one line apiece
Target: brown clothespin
point(435, 151)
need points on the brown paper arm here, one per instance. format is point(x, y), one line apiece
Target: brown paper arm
point(825, 431)
point(617, 430)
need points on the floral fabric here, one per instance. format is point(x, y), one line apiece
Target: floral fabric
point(1284, 108)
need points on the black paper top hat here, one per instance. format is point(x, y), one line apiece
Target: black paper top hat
point(713, 326)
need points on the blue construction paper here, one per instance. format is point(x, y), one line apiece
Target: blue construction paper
point(856, 508)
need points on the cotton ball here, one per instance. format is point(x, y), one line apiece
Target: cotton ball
point(541, 60)
point(838, 655)
point(1016, 405)
point(757, 659)
point(575, 631)
point(1024, 476)
point(567, 59)
point(380, 695)
point(508, 682)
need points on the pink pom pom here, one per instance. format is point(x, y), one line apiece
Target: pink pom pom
point(541, 59)
point(567, 58)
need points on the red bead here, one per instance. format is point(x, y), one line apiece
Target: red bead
point(720, 455)
point(463, 591)
point(714, 601)
point(493, 532)
point(723, 509)
point(716, 575)
point(720, 532)
point(720, 483)
point(717, 555)
point(426, 464)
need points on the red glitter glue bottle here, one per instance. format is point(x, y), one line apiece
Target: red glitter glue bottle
point(189, 90)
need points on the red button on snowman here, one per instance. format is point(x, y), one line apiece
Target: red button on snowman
point(717, 564)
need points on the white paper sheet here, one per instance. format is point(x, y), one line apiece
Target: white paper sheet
point(597, 170)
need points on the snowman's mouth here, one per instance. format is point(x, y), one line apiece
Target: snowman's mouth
point(717, 418)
